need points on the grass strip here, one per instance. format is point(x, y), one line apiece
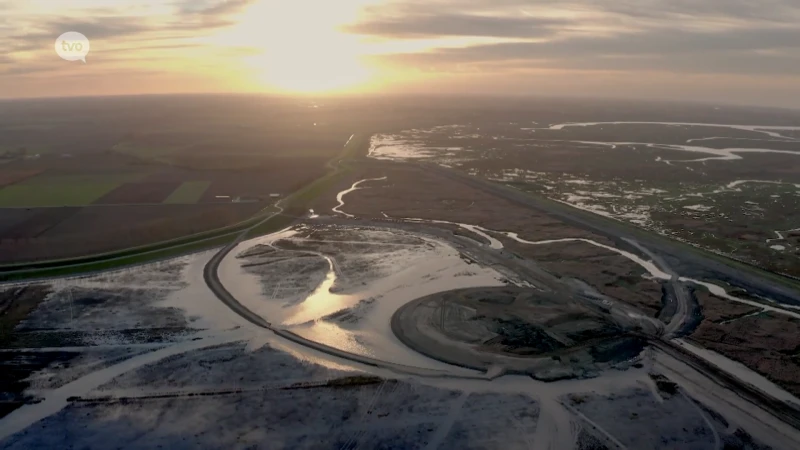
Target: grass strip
point(118, 262)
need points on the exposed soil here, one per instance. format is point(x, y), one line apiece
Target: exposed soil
point(56, 333)
point(611, 274)
point(523, 330)
point(587, 441)
point(8, 177)
point(40, 221)
point(138, 193)
point(412, 193)
point(11, 217)
point(252, 181)
point(718, 310)
point(92, 309)
point(661, 423)
point(460, 231)
point(15, 304)
point(101, 229)
point(17, 366)
point(767, 343)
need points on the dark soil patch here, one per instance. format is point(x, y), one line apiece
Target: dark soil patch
point(8, 177)
point(767, 343)
point(70, 338)
point(95, 230)
point(43, 220)
point(587, 441)
point(273, 175)
point(132, 193)
point(15, 305)
point(665, 387)
point(11, 217)
point(15, 367)
point(520, 337)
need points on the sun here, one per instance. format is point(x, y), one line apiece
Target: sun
point(313, 65)
point(296, 47)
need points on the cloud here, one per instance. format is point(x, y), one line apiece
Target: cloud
point(44, 33)
point(504, 18)
point(745, 10)
point(206, 14)
point(648, 43)
point(494, 41)
point(211, 16)
point(428, 25)
point(225, 7)
point(506, 56)
point(714, 36)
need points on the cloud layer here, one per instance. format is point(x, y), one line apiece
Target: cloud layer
point(753, 48)
point(723, 36)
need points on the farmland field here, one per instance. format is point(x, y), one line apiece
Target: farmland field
point(54, 194)
point(130, 171)
point(72, 232)
point(36, 222)
point(137, 193)
point(8, 177)
point(53, 189)
point(188, 192)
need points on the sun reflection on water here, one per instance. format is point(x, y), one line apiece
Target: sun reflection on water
point(321, 302)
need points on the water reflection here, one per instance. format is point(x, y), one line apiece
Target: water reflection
point(335, 336)
point(321, 302)
point(416, 271)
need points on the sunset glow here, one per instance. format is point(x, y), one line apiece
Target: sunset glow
point(718, 51)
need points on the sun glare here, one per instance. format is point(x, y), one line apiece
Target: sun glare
point(297, 48)
point(311, 65)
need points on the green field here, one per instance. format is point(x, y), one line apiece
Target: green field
point(61, 190)
point(188, 192)
point(64, 190)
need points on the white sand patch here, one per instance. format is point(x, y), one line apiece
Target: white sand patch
point(597, 194)
point(714, 138)
point(699, 208)
point(741, 182)
point(577, 199)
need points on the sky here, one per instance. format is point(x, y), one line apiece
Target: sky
point(727, 51)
